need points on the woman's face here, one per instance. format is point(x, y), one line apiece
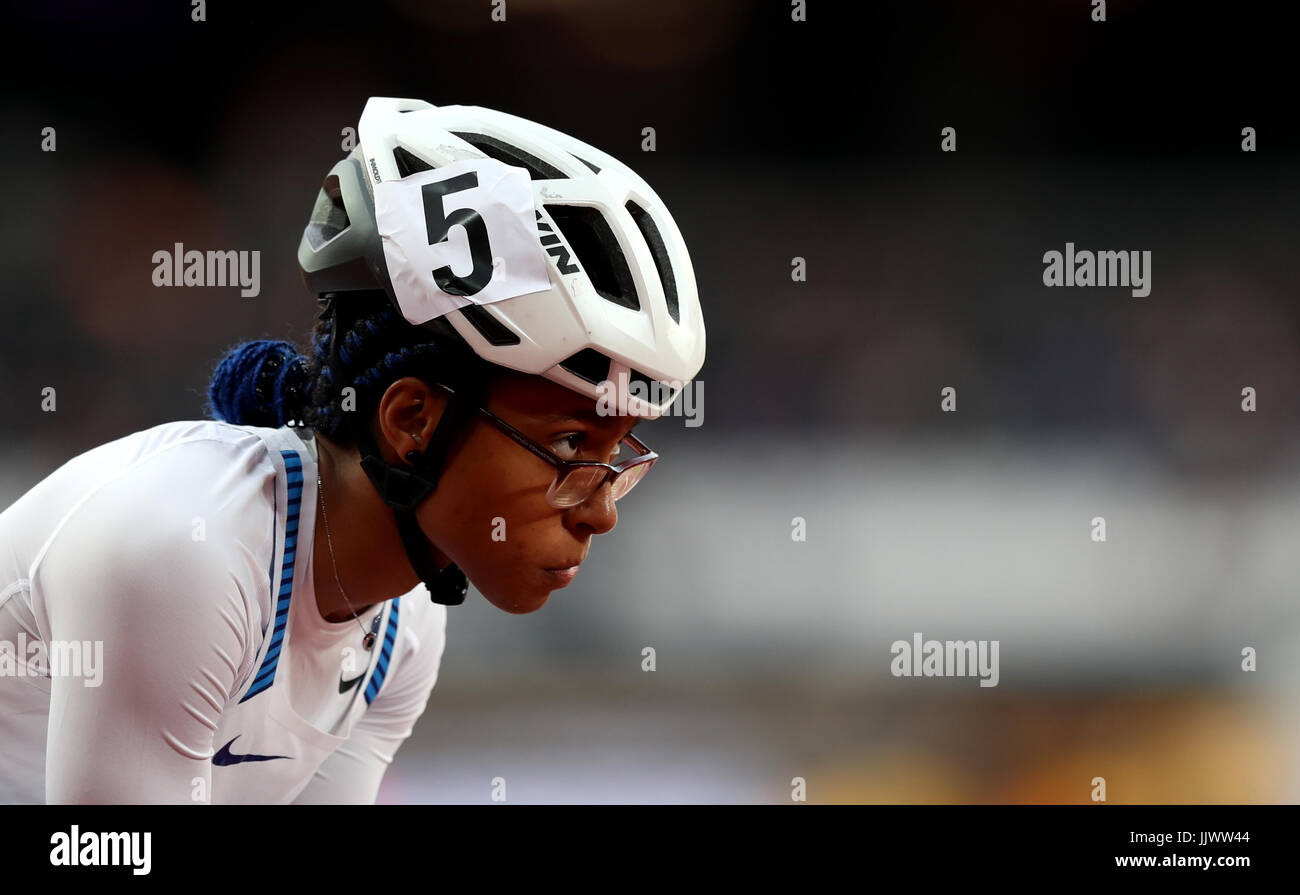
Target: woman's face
point(489, 513)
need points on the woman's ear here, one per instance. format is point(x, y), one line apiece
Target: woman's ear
point(407, 416)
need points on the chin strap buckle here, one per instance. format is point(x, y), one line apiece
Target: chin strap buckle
point(446, 586)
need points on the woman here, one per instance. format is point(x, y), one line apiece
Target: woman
point(492, 292)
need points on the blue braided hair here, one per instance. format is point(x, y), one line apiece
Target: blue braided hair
point(269, 383)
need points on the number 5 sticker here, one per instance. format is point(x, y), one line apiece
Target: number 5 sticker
point(462, 234)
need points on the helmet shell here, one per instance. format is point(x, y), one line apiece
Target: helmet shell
point(621, 321)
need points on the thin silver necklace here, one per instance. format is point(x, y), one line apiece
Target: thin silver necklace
point(368, 641)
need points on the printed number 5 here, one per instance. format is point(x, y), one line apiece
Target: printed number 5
point(437, 222)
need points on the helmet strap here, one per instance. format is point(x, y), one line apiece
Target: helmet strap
point(404, 489)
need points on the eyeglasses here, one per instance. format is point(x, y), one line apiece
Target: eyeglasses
point(576, 480)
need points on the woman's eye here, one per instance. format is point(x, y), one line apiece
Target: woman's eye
point(567, 446)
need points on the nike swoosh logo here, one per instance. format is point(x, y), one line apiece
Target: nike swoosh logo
point(345, 686)
point(225, 756)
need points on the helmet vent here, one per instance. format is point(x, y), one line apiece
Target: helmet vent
point(659, 252)
point(591, 365)
point(329, 218)
point(512, 155)
point(408, 163)
point(588, 364)
point(638, 376)
point(489, 327)
point(598, 251)
point(593, 168)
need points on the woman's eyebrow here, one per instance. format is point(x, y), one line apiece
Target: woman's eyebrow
point(583, 416)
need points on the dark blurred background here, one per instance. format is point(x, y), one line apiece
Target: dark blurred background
point(778, 139)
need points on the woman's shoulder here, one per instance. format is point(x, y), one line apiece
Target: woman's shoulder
point(219, 438)
point(200, 481)
point(179, 517)
point(196, 441)
point(183, 464)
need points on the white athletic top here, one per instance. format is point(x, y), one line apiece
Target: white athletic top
point(185, 552)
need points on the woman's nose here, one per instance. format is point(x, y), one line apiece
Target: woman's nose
point(597, 513)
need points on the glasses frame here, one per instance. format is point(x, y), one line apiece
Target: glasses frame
point(563, 467)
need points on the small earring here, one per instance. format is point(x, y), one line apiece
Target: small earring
point(412, 456)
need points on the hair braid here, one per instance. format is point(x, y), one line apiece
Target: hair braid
point(269, 383)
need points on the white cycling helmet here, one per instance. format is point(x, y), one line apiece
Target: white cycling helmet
point(615, 302)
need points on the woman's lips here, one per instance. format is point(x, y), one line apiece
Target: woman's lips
point(562, 577)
